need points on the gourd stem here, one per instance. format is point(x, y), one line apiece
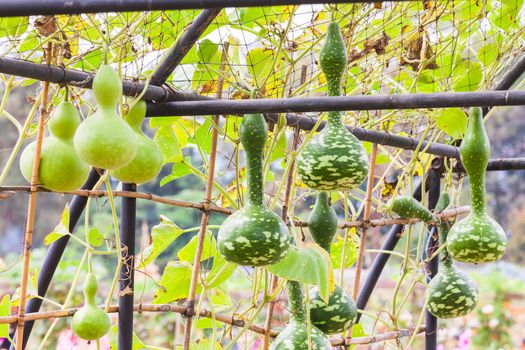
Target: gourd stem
point(255, 177)
point(295, 298)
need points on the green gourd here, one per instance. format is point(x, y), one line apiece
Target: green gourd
point(61, 169)
point(253, 235)
point(105, 140)
point(334, 159)
point(408, 207)
point(148, 161)
point(295, 335)
point(90, 322)
point(477, 238)
point(322, 222)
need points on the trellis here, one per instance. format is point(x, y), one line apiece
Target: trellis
point(163, 100)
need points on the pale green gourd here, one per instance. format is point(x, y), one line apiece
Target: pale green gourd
point(409, 207)
point(104, 139)
point(90, 322)
point(148, 161)
point(477, 238)
point(61, 169)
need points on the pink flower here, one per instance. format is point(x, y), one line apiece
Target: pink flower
point(256, 345)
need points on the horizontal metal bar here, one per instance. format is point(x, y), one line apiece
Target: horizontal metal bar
point(11, 8)
point(82, 79)
point(339, 103)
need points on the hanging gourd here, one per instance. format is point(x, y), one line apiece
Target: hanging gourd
point(409, 207)
point(295, 335)
point(334, 159)
point(148, 161)
point(104, 139)
point(61, 169)
point(253, 235)
point(340, 312)
point(452, 293)
point(477, 238)
point(90, 322)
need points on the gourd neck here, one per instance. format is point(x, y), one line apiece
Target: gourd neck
point(335, 119)
point(477, 194)
point(136, 115)
point(90, 289)
point(254, 166)
point(444, 227)
point(295, 299)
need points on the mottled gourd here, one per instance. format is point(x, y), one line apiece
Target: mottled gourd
point(477, 238)
point(334, 159)
point(148, 161)
point(61, 169)
point(322, 222)
point(90, 322)
point(295, 335)
point(409, 207)
point(253, 235)
point(104, 139)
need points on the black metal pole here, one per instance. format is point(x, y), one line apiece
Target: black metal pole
point(126, 299)
point(338, 103)
point(54, 254)
point(392, 238)
point(183, 45)
point(81, 79)
point(11, 8)
point(434, 188)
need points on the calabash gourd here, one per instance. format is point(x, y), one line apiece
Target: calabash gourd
point(61, 169)
point(477, 238)
point(90, 322)
point(409, 207)
point(104, 139)
point(253, 235)
point(295, 335)
point(452, 293)
point(340, 312)
point(148, 161)
point(334, 159)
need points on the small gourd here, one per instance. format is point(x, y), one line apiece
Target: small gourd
point(409, 207)
point(334, 159)
point(340, 312)
point(253, 235)
point(148, 161)
point(90, 322)
point(61, 169)
point(477, 238)
point(104, 139)
point(295, 335)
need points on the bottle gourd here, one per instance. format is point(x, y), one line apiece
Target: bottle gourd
point(452, 293)
point(104, 139)
point(61, 169)
point(253, 235)
point(334, 159)
point(340, 312)
point(148, 161)
point(90, 322)
point(477, 238)
point(295, 335)
point(409, 207)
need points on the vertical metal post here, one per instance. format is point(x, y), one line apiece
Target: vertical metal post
point(434, 189)
point(54, 254)
point(126, 299)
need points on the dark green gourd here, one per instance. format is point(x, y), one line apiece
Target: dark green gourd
point(452, 293)
point(148, 161)
point(334, 159)
point(104, 139)
point(295, 335)
point(340, 312)
point(477, 238)
point(253, 235)
point(408, 207)
point(90, 322)
point(61, 169)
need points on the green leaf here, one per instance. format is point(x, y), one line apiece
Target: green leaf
point(202, 344)
point(381, 158)
point(351, 251)
point(488, 54)
point(206, 323)
point(5, 310)
point(357, 331)
point(260, 62)
point(209, 248)
point(175, 282)
point(60, 230)
point(137, 344)
point(166, 139)
point(220, 272)
point(467, 76)
point(95, 237)
point(310, 264)
point(13, 26)
point(202, 136)
point(453, 121)
point(178, 170)
point(162, 235)
point(505, 14)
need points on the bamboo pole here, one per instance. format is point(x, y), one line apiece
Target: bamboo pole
point(28, 239)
